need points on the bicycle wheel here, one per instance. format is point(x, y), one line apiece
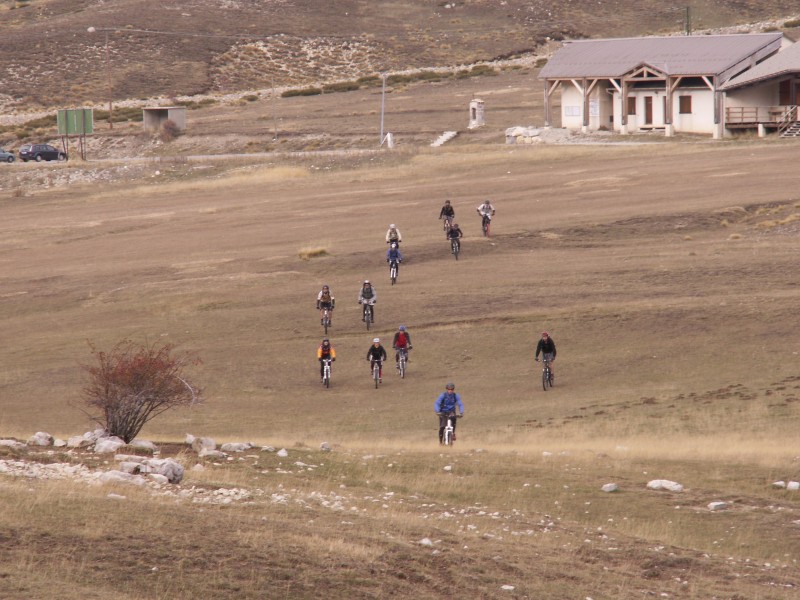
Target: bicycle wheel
point(456, 247)
point(376, 374)
point(402, 366)
point(545, 378)
point(393, 273)
point(367, 315)
point(326, 321)
point(327, 378)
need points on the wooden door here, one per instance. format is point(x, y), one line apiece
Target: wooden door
point(648, 110)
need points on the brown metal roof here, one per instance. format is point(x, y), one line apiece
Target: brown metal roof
point(784, 62)
point(678, 55)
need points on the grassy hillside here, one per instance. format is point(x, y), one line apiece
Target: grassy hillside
point(173, 48)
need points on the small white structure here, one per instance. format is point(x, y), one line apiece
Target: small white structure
point(476, 108)
point(153, 118)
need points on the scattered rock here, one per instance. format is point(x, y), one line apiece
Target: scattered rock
point(236, 447)
point(283, 453)
point(779, 484)
point(425, 542)
point(40, 438)
point(57, 443)
point(169, 468)
point(610, 487)
point(108, 445)
point(12, 444)
point(665, 484)
point(208, 453)
point(718, 505)
point(199, 444)
point(147, 445)
point(793, 485)
point(198, 467)
point(116, 496)
point(325, 447)
point(79, 441)
point(267, 449)
point(508, 588)
point(120, 477)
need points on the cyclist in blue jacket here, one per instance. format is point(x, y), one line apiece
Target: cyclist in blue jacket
point(393, 253)
point(445, 406)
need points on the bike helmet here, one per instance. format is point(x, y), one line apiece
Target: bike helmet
point(545, 334)
point(450, 386)
point(366, 282)
point(376, 341)
point(447, 201)
point(392, 226)
point(326, 341)
point(402, 328)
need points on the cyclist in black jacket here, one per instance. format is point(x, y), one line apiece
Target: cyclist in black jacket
point(547, 347)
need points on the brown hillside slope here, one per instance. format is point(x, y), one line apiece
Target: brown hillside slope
point(176, 48)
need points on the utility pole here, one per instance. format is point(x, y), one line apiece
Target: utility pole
point(688, 21)
point(108, 76)
point(383, 103)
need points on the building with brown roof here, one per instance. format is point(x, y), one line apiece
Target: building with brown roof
point(710, 84)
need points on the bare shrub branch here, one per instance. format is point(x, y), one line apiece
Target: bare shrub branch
point(133, 383)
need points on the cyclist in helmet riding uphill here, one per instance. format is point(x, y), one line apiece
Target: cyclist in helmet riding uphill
point(547, 347)
point(324, 351)
point(447, 213)
point(393, 253)
point(445, 406)
point(325, 300)
point(402, 340)
point(393, 235)
point(368, 295)
point(486, 209)
point(376, 352)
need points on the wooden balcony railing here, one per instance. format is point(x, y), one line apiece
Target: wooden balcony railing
point(769, 115)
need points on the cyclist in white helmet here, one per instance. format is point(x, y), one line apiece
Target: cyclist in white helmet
point(393, 235)
point(368, 295)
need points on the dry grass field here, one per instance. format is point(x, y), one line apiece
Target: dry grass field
point(665, 273)
point(664, 269)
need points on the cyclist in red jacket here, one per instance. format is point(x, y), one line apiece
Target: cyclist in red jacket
point(402, 339)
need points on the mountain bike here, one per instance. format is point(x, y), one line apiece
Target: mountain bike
point(449, 435)
point(402, 362)
point(326, 319)
point(376, 372)
point(368, 314)
point(486, 221)
point(326, 372)
point(393, 268)
point(455, 247)
point(547, 374)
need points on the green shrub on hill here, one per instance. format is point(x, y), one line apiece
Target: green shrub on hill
point(310, 91)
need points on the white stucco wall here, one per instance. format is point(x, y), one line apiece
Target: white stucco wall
point(600, 108)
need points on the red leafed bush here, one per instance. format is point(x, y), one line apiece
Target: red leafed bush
point(132, 384)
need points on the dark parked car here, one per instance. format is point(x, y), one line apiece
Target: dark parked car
point(40, 152)
point(6, 156)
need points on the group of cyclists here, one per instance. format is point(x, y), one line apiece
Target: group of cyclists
point(448, 405)
point(452, 231)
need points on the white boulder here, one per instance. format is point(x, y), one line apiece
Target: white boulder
point(120, 477)
point(665, 484)
point(58, 443)
point(793, 485)
point(718, 505)
point(283, 453)
point(40, 438)
point(79, 441)
point(108, 445)
point(236, 447)
point(206, 452)
point(146, 444)
point(158, 478)
point(12, 444)
point(325, 447)
point(610, 487)
point(169, 468)
point(203, 443)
